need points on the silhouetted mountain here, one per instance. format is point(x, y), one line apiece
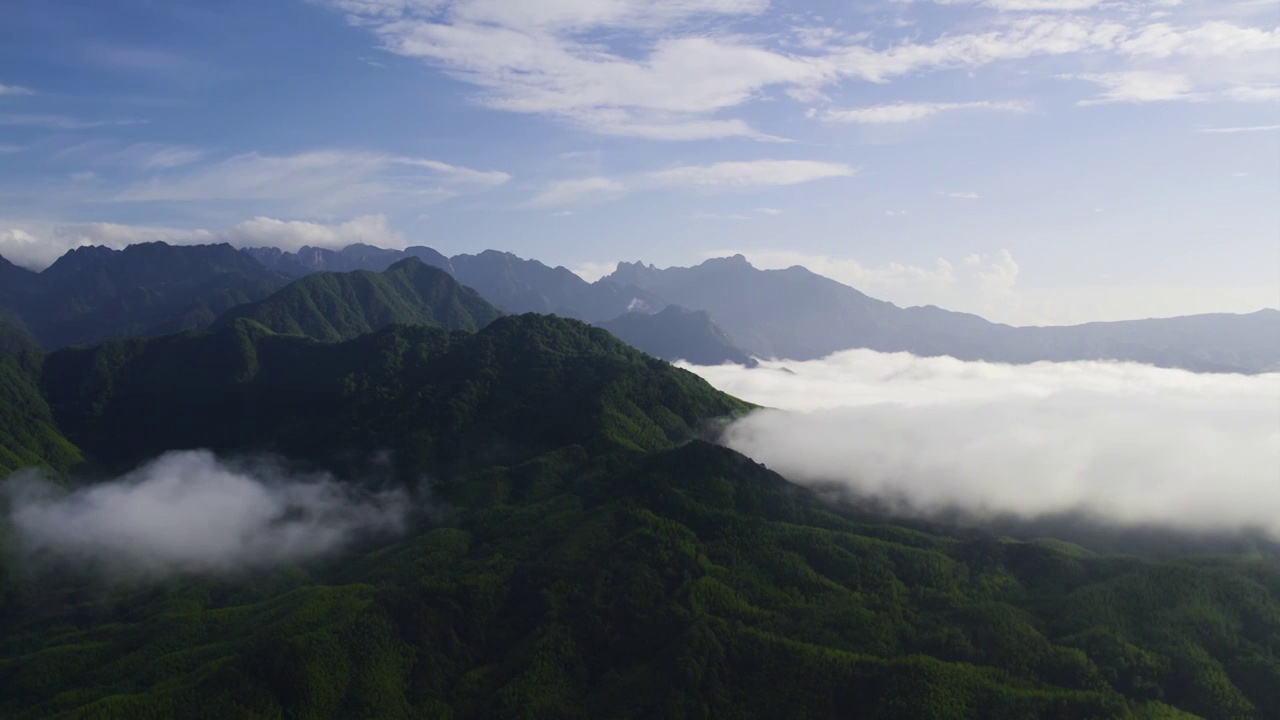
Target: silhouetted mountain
point(340, 306)
point(14, 278)
point(797, 314)
point(516, 285)
point(353, 257)
point(675, 333)
point(93, 294)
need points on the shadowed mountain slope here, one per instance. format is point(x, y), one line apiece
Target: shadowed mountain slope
point(675, 333)
point(341, 306)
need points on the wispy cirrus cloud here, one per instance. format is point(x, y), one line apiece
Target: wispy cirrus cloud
point(716, 176)
point(1241, 129)
point(676, 69)
point(15, 90)
point(323, 177)
point(902, 112)
point(62, 122)
point(1138, 87)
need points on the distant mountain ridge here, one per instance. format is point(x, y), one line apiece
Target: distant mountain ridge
point(333, 306)
point(675, 333)
point(95, 294)
point(799, 315)
point(513, 284)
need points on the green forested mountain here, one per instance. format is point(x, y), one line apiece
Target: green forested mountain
point(521, 386)
point(341, 306)
point(94, 294)
point(28, 430)
point(13, 337)
point(587, 555)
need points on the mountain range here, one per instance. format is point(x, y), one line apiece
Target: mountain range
point(738, 311)
point(584, 550)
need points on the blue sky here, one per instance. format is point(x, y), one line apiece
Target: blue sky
point(1035, 161)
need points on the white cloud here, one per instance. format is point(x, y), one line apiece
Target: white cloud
point(37, 245)
point(1129, 443)
point(159, 156)
point(1138, 87)
point(320, 179)
point(1243, 129)
point(1024, 5)
point(960, 194)
point(60, 122)
point(15, 90)
point(768, 211)
point(671, 69)
point(902, 112)
point(188, 512)
point(1246, 93)
point(754, 173)
point(582, 190)
point(716, 176)
point(722, 216)
point(593, 271)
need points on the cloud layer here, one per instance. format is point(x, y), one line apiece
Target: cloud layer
point(1125, 442)
point(191, 512)
point(721, 176)
point(673, 69)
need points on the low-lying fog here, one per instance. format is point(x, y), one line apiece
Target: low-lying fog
point(193, 512)
point(1124, 442)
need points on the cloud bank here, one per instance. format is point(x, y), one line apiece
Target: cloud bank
point(1123, 442)
point(190, 512)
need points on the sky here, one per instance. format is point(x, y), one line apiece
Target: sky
point(1033, 161)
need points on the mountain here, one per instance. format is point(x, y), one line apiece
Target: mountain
point(340, 306)
point(583, 554)
point(799, 315)
point(675, 333)
point(353, 257)
point(513, 284)
point(516, 285)
point(14, 337)
point(522, 385)
point(93, 294)
point(13, 278)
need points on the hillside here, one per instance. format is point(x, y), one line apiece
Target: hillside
point(580, 553)
point(520, 386)
point(13, 337)
point(675, 333)
point(340, 306)
point(799, 315)
point(94, 294)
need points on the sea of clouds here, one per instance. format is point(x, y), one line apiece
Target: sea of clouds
point(1122, 442)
